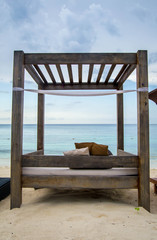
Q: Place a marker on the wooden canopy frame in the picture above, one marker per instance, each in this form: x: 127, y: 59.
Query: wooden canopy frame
x: 32, y: 63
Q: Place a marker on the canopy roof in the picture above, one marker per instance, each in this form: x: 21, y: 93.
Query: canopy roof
x: 41, y: 67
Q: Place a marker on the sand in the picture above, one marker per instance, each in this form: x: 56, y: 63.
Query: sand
x: 78, y: 215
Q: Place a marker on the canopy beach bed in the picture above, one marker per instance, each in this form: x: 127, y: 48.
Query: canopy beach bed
x: 36, y: 170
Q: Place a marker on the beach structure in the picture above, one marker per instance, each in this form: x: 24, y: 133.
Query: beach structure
x: 123, y: 171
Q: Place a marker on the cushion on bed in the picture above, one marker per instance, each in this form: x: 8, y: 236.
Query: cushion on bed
x: 84, y: 145
x: 99, y: 150
x: 81, y: 151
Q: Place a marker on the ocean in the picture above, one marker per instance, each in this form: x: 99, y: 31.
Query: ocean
x: 60, y: 138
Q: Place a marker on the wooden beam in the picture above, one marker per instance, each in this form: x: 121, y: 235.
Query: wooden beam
x: 90, y: 73
x: 121, y: 152
x: 110, y: 73
x: 40, y: 123
x: 100, y: 73
x: 34, y: 75
x: 17, y: 130
x: 79, y: 162
x: 120, y: 122
x: 77, y: 86
x: 60, y: 73
x: 126, y: 74
x: 143, y: 130
x: 50, y: 73
x: 80, y: 73
x: 40, y: 73
x: 82, y: 182
x: 120, y: 73
x: 70, y: 73
x: 80, y: 58
x: 38, y: 152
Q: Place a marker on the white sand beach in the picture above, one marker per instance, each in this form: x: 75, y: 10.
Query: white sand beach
x: 78, y: 215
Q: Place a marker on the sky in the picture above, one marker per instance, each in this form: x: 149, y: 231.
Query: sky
x: 76, y: 26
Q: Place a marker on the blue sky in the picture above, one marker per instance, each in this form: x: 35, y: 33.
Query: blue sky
x: 76, y: 26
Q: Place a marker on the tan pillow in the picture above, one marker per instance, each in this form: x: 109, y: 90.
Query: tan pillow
x: 84, y: 145
x: 99, y: 150
x: 81, y: 151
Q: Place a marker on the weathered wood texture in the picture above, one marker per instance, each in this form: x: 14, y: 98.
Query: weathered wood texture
x: 83, y: 58
x: 40, y: 124
x: 143, y: 130
x: 126, y: 74
x: 34, y: 74
x: 17, y: 130
x: 123, y: 153
x: 154, y: 181
x: 50, y: 73
x: 79, y: 162
x: 77, y: 86
x: 94, y: 182
x: 120, y: 122
x: 38, y: 152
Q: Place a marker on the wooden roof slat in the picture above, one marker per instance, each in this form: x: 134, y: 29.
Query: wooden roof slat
x: 78, y: 86
x: 34, y: 74
x: 40, y: 73
x: 60, y: 73
x: 50, y: 73
x: 80, y: 73
x: 70, y: 73
x: 90, y: 72
x: 100, y: 73
x: 110, y: 73
x: 83, y: 58
x: 126, y: 74
x: 120, y: 73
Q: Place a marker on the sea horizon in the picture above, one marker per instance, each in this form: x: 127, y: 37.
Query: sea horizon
x: 59, y: 138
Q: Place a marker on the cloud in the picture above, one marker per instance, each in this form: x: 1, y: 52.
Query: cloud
x: 140, y: 12
x: 152, y: 58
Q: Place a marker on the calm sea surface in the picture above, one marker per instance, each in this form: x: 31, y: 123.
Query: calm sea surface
x: 60, y: 138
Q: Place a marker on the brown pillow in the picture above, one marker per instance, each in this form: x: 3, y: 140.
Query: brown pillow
x: 84, y: 145
x: 99, y: 150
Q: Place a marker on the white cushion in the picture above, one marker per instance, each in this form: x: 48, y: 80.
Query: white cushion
x: 80, y: 151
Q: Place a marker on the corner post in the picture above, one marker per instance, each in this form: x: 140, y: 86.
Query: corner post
x: 17, y: 130
x: 120, y: 122
x: 40, y: 125
x: 143, y: 130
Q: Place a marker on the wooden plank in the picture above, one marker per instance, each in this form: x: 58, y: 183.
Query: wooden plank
x: 50, y: 73
x: 40, y: 122
x: 123, y: 69
x: 70, y: 73
x: 40, y: 73
x: 121, y: 152
x: 80, y: 73
x: 38, y: 152
x: 120, y: 122
x: 100, y: 73
x: 77, y: 86
x: 90, y: 73
x: 126, y: 74
x: 110, y: 73
x: 79, y: 162
x: 34, y: 75
x: 154, y: 181
x: 82, y: 182
x: 82, y: 58
x: 60, y: 73
x: 143, y: 130
x: 17, y: 130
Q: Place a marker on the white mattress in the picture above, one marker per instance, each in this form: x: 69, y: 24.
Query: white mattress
x: 38, y: 171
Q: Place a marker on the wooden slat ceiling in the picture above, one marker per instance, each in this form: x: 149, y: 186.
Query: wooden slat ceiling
x: 100, y: 71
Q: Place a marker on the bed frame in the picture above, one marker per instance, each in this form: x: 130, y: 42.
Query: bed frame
x: 31, y: 63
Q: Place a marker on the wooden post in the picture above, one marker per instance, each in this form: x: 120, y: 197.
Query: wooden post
x: 143, y: 130
x: 17, y: 130
x: 40, y: 126
x: 120, y: 122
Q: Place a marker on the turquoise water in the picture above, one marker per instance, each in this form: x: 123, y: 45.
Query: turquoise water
x: 60, y: 138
